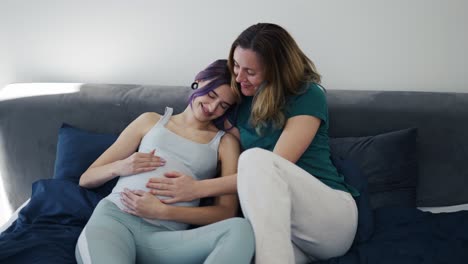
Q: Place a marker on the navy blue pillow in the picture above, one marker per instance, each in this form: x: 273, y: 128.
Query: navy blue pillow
x: 49, y: 225
x: 77, y: 149
x: 353, y: 176
x: 389, y: 162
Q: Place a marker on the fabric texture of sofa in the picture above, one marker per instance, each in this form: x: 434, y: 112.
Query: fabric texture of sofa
x: 409, y: 148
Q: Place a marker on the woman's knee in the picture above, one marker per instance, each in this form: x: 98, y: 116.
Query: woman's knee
x: 254, y: 167
x: 252, y: 162
x: 253, y: 156
x: 241, y: 231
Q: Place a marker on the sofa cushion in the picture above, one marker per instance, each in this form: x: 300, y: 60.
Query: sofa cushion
x: 389, y: 161
x: 354, y: 177
x: 77, y: 149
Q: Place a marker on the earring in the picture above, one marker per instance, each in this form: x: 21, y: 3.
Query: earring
x: 194, y: 85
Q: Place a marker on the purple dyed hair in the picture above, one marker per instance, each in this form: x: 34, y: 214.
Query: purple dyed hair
x: 218, y: 74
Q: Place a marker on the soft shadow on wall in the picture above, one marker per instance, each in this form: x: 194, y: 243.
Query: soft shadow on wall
x: 5, y: 210
x: 20, y: 90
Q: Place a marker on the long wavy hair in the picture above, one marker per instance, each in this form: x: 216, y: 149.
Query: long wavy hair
x: 217, y: 73
x: 287, y: 69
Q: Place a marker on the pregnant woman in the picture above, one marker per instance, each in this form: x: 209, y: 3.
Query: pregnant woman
x: 132, y: 225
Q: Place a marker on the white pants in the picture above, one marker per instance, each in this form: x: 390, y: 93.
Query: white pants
x: 289, y: 209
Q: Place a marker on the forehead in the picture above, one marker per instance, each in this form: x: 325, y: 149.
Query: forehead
x: 247, y: 58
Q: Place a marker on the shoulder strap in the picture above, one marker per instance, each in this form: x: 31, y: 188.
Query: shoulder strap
x: 214, y: 143
x: 167, y: 115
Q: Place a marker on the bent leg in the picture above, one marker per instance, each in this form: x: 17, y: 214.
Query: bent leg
x: 283, y: 203
x: 106, y: 237
x: 228, y: 241
x: 235, y: 244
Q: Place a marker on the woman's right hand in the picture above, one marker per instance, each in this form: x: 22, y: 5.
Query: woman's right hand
x: 139, y: 162
x: 178, y: 186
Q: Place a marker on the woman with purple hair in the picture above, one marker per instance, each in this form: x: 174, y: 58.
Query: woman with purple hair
x: 131, y: 224
x: 299, y: 205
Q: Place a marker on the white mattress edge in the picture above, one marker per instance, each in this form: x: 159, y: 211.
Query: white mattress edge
x: 445, y: 209
x: 13, y: 217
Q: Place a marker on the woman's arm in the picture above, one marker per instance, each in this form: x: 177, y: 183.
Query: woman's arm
x: 120, y: 159
x: 298, y: 132
x: 144, y: 204
x: 225, y: 206
x: 183, y: 188
x: 297, y: 135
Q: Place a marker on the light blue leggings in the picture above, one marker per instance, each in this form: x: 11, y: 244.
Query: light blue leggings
x: 113, y: 236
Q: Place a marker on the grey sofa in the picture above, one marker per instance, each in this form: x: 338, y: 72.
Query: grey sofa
x: 29, y: 127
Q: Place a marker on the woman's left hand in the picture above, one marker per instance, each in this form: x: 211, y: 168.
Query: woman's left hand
x: 143, y: 204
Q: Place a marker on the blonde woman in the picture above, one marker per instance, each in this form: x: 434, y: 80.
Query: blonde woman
x: 298, y: 204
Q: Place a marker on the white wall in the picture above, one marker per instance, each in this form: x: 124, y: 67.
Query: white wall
x: 359, y: 44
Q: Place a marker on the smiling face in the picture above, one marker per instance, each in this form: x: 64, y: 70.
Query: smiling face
x: 248, y: 70
x: 214, y: 104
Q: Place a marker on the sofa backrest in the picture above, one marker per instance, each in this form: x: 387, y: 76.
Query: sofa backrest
x: 29, y: 128
x: 442, y: 123
x: 29, y: 125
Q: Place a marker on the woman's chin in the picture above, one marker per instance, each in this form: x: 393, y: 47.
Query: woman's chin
x: 248, y: 91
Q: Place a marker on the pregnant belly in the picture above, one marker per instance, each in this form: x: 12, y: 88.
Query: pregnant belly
x: 139, y: 181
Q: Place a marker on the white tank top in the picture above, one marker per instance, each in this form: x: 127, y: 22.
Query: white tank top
x: 181, y: 154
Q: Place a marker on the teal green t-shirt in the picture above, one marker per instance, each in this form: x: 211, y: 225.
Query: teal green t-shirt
x: 316, y: 159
